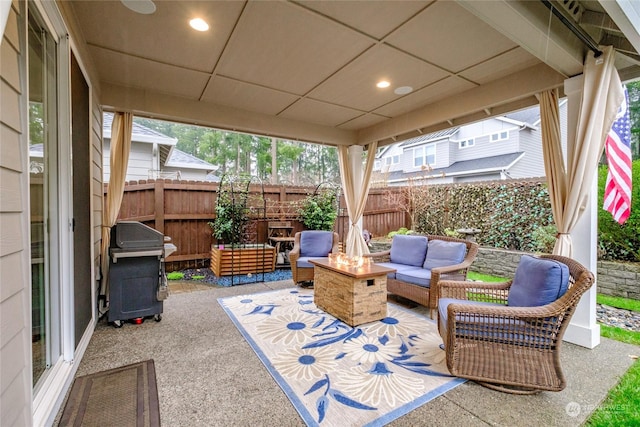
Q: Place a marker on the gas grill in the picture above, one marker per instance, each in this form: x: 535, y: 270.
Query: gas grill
x: 137, y: 283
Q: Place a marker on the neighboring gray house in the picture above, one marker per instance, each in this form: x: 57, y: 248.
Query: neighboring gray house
x: 154, y: 155
x: 507, y: 147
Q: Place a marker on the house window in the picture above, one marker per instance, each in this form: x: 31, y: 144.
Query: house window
x: 424, y: 156
x: 500, y: 136
x: 466, y: 143
x: 392, y: 160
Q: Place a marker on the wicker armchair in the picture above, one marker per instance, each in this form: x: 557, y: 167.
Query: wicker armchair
x: 301, y: 269
x: 506, y: 348
x: 428, y: 296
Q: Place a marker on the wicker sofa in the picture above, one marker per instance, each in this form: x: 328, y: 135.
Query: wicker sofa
x: 508, y: 336
x: 310, y: 244
x: 421, y: 262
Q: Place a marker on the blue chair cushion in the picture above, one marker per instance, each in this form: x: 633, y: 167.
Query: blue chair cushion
x: 443, y: 303
x: 538, y: 281
x: 415, y: 275
x: 505, y: 330
x: 303, y: 262
x: 408, y: 250
x: 316, y: 243
x: 442, y: 254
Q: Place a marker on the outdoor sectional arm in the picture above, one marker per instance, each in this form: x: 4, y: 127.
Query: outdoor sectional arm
x: 427, y: 295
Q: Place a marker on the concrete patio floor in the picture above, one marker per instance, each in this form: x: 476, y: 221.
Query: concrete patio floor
x: 208, y: 375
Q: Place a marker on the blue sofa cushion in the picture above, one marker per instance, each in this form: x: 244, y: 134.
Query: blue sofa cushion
x: 415, y: 275
x: 442, y: 254
x: 398, y: 267
x: 538, y: 281
x: 316, y: 243
x: 303, y: 262
x: 408, y: 250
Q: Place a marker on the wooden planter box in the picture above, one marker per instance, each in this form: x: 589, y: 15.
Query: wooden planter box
x: 243, y: 260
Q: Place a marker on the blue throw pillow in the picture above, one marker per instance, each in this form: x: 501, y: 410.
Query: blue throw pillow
x: 442, y: 254
x: 408, y: 250
x: 538, y: 281
x: 316, y: 243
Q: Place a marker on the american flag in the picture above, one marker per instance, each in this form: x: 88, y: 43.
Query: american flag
x: 617, y: 192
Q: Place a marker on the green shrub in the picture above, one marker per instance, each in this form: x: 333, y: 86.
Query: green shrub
x: 401, y: 230
x: 615, y: 241
x: 175, y: 275
x: 320, y: 210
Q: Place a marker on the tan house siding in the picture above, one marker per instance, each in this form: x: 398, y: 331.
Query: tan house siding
x: 96, y: 183
x: 15, y: 305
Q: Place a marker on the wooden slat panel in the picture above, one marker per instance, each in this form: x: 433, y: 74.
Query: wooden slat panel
x: 188, y: 207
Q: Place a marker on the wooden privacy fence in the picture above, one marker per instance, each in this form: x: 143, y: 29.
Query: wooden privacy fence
x: 182, y: 211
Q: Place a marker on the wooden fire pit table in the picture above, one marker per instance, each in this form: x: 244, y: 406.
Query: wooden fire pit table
x: 355, y: 295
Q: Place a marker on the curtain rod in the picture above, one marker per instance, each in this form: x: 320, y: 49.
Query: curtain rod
x: 574, y: 28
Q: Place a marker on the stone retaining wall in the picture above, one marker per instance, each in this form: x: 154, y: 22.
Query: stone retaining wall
x: 621, y: 279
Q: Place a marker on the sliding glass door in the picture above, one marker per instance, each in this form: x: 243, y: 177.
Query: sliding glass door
x: 43, y: 195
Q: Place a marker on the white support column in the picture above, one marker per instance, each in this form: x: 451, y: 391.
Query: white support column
x: 355, y: 153
x: 583, y: 329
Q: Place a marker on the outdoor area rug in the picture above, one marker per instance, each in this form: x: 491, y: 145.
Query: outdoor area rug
x: 124, y: 396
x: 338, y: 375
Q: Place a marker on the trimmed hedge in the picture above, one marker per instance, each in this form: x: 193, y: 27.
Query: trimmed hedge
x: 517, y: 215
x: 507, y: 212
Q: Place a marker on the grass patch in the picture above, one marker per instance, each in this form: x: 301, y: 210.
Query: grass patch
x: 620, y: 408
x: 472, y: 275
x: 197, y: 277
x: 619, y: 334
x: 175, y: 275
x: 618, y: 302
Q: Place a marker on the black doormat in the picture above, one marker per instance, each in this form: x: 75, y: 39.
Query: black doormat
x: 124, y: 396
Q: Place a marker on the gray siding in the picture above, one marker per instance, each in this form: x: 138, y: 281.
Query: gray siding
x: 141, y: 160
x: 532, y: 164
x: 483, y: 146
x: 15, y: 304
x: 96, y: 184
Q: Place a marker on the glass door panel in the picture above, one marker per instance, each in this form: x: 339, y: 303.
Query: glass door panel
x: 42, y: 191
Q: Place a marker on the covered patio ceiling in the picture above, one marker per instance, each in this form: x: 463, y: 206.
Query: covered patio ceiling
x: 307, y: 70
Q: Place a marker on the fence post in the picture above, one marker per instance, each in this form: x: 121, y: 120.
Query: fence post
x: 158, y: 192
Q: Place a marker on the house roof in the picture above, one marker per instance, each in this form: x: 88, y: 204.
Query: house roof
x: 180, y: 159
x: 139, y: 133
x: 430, y: 137
x: 465, y: 167
x: 307, y: 71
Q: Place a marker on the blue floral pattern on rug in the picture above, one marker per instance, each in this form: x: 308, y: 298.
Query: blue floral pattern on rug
x: 338, y: 375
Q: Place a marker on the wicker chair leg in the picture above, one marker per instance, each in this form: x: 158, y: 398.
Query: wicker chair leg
x: 510, y: 389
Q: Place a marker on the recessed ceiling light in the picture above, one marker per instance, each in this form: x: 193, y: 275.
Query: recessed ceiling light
x: 145, y: 7
x: 382, y: 84
x: 198, y: 24
x: 403, y: 90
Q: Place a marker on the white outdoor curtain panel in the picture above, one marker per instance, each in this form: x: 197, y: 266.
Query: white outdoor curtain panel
x: 355, y: 198
x: 569, y: 189
x: 120, y: 148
